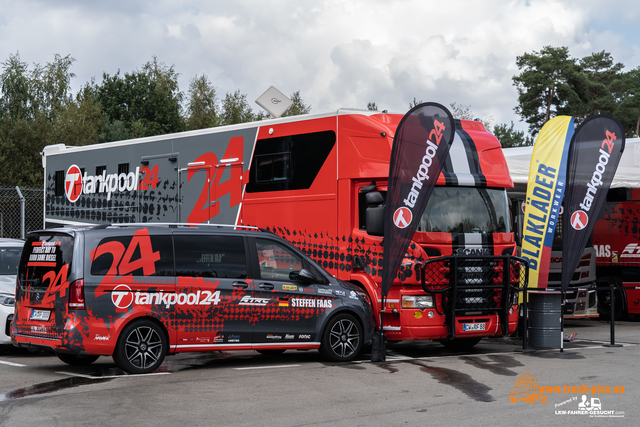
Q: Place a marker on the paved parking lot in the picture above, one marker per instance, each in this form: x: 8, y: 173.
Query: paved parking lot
x: 420, y: 383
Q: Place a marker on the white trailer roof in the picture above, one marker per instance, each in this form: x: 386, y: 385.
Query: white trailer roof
x: 627, y: 175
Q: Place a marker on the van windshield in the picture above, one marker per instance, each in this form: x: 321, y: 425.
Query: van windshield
x: 44, y: 253
x: 466, y: 210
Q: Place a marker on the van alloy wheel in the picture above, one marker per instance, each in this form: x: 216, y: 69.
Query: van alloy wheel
x: 342, y: 339
x: 141, y: 348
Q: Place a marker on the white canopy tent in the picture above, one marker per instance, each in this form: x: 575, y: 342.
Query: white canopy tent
x: 627, y: 175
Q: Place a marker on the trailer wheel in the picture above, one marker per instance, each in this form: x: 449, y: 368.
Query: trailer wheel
x: 342, y: 339
x: 141, y: 347
x: 77, y: 359
x: 460, y: 344
x: 604, y: 298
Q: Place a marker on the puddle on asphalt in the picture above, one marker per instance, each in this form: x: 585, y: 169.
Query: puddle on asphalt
x: 463, y: 382
x: 498, y: 364
x: 49, y: 387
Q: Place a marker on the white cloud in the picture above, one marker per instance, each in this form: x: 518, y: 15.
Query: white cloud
x: 336, y: 52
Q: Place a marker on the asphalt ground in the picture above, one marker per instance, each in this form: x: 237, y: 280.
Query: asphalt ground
x: 420, y: 383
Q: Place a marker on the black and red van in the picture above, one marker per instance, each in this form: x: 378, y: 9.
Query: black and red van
x: 139, y: 292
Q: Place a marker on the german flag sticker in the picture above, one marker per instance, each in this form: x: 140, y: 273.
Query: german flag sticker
x: 283, y: 303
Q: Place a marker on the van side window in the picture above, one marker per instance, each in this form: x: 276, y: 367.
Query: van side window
x: 121, y: 256
x: 277, y: 261
x: 210, y: 256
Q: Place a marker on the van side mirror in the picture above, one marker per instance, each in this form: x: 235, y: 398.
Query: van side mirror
x: 306, y: 276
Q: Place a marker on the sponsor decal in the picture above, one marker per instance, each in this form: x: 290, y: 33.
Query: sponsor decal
x: 353, y: 295
x: 234, y: 338
x: 340, y: 293
x: 75, y: 184
x: 204, y: 339
x: 43, y: 254
x: 632, y: 250
x: 324, y: 291
x: 579, y: 220
x: 304, y: 337
x: 249, y: 300
x: 122, y: 297
x: 402, y: 217
x: 603, y: 251
x: 311, y: 303
x: 99, y: 337
x: 274, y: 337
x: 289, y: 337
x: 289, y: 288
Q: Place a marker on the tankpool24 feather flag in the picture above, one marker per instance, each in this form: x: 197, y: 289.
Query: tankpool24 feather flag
x: 594, y: 155
x: 420, y: 148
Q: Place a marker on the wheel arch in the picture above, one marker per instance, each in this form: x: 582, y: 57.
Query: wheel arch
x: 145, y: 317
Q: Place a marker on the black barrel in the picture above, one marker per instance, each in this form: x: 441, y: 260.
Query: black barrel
x: 545, y: 324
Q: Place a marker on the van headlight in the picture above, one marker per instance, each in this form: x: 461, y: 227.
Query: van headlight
x: 7, y: 300
x: 417, y: 301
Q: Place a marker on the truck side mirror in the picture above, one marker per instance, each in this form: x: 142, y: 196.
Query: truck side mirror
x: 374, y: 213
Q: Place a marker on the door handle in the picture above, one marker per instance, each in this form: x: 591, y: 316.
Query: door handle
x: 267, y: 286
x: 240, y: 285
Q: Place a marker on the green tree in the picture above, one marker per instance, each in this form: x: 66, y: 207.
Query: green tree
x: 597, y: 72
x: 509, y: 137
x: 297, y: 107
x: 236, y: 109
x: 80, y: 121
x: 201, y: 107
x: 626, y: 93
x: 548, y: 83
x: 36, y: 109
x: 147, y: 101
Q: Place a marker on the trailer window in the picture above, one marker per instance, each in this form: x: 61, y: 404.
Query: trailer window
x: 59, y: 183
x: 290, y: 162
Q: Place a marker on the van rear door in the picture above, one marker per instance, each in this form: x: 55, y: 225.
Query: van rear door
x: 44, y: 275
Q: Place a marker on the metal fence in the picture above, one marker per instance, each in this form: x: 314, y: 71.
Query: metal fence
x: 21, y: 211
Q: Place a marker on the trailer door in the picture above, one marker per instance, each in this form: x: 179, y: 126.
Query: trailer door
x: 158, y: 188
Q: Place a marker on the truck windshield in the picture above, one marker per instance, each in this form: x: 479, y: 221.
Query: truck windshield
x: 466, y: 210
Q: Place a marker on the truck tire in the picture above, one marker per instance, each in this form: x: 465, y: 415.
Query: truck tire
x: 141, y: 347
x: 604, y: 298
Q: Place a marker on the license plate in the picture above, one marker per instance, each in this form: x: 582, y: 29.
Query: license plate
x: 474, y: 326
x: 40, y: 315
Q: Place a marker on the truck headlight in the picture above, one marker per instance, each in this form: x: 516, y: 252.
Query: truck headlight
x: 417, y: 301
x: 7, y: 300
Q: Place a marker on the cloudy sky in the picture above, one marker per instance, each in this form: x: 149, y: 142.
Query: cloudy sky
x: 337, y: 53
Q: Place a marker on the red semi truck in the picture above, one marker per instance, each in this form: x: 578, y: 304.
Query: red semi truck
x: 319, y: 181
